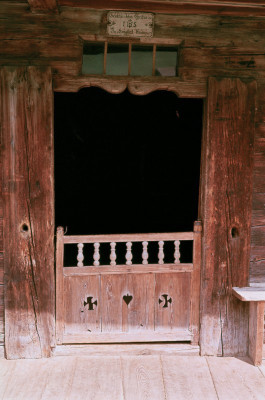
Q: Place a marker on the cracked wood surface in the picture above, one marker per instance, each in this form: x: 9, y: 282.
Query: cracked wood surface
x: 26, y: 115
x: 226, y: 204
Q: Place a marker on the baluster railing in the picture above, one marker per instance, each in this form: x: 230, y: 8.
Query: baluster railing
x: 176, y: 253
x: 161, y: 254
x: 80, y: 255
x: 128, y: 253
x: 96, y: 255
x: 113, y: 253
x: 145, y: 253
x: 160, y: 238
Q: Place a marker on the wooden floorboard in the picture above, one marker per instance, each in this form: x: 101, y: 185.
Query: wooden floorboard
x: 97, y: 379
x: 187, y: 378
x: 127, y: 377
x: 236, y: 379
x: 142, y: 378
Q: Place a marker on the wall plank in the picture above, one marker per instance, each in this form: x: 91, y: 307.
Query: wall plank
x: 226, y: 214
x: 257, y: 255
x: 27, y: 128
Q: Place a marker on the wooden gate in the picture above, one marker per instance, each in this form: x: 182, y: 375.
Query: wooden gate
x: 130, y: 302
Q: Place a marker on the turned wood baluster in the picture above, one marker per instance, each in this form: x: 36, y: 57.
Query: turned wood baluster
x: 80, y: 255
x: 177, y: 253
x: 145, y: 253
x: 128, y: 253
x: 161, y: 254
x: 96, y: 256
x: 113, y: 254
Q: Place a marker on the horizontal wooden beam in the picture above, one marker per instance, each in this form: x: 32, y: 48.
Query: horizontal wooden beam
x: 43, y: 5
x: 222, y: 7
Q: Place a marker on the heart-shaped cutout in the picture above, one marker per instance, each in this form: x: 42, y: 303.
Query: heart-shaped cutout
x: 127, y: 298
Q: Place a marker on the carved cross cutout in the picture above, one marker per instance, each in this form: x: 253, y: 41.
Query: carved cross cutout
x: 90, y: 303
x: 166, y: 300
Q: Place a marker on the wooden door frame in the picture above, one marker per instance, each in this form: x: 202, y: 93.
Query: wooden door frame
x: 143, y: 86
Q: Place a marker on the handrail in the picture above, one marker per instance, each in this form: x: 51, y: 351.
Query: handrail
x: 125, y: 237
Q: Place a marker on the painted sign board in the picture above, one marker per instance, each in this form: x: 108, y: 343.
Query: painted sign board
x: 130, y: 24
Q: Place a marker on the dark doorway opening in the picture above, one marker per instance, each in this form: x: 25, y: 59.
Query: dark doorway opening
x: 126, y: 163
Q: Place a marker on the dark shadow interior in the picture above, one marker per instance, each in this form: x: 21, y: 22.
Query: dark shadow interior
x: 126, y: 163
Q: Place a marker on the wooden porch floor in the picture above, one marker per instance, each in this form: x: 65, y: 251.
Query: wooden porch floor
x: 131, y: 378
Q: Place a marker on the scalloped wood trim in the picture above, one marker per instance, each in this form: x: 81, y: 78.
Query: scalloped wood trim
x: 136, y: 86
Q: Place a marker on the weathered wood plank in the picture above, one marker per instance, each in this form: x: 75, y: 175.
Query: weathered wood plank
x: 126, y: 269
x: 187, y: 378
x: 169, y: 7
x: 177, y: 335
x: 139, y: 349
x: 249, y: 293
x: 142, y: 378
x: 80, y: 317
x: 236, y: 379
x: 137, y: 237
x: 43, y: 5
x: 28, y: 210
x: 97, y: 380
x: 226, y: 198
x: 256, y: 330
x: 257, y: 271
x: 191, y: 89
x: 221, y: 58
x: 172, y: 301
x: 1, y: 268
x: 2, y: 321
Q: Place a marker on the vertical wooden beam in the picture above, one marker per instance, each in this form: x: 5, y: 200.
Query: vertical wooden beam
x: 26, y: 114
x: 256, y: 331
x: 59, y: 285
x: 226, y: 214
x: 195, y: 282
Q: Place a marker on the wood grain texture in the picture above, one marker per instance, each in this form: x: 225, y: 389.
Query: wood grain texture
x: 249, y: 293
x: 78, y: 317
x: 174, y: 314
x: 257, y: 254
x: 196, y: 282
x: 236, y: 379
x: 138, y: 86
x: 256, y: 331
x: 170, y: 7
x: 43, y: 5
x: 59, y: 317
x: 97, y: 379
x: 177, y: 335
x: 26, y: 115
x: 2, y: 318
x: 143, y: 378
x: 125, y: 269
x: 185, y: 382
x: 139, y: 349
x: 226, y: 213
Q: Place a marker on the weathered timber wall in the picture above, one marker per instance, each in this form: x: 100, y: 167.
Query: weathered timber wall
x: 1, y: 258
x: 257, y: 264
x: 226, y: 213
x: 27, y: 131
x: 211, y: 45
